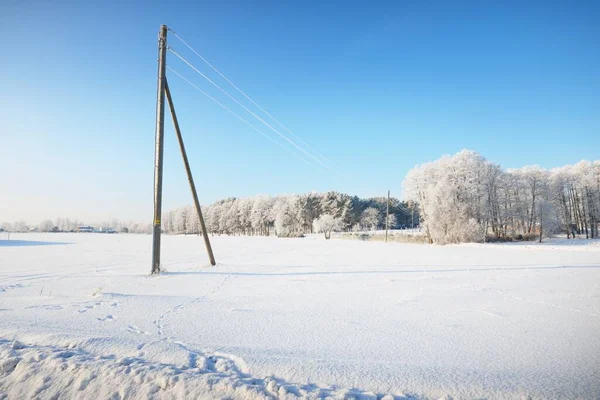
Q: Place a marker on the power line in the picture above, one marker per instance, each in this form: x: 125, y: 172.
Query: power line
x: 250, y: 99
x: 401, y: 209
x: 240, y: 118
x: 247, y: 109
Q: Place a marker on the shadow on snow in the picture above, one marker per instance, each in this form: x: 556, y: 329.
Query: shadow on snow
x: 24, y: 243
x: 375, y: 272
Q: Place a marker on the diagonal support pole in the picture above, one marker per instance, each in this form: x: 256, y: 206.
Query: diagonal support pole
x: 189, y: 174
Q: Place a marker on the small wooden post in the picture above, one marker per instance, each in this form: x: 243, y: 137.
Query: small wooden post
x: 541, y: 220
x: 387, y: 217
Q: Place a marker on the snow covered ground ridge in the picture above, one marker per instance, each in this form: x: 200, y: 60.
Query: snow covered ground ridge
x: 53, y: 372
x: 474, y: 321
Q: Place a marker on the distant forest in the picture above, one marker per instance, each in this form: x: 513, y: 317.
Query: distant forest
x: 459, y: 198
x: 287, y: 215
x: 291, y: 215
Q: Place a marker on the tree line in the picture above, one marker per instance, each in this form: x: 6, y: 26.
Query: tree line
x: 285, y: 215
x: 290, y: 215
x: 72, y: 225
x: 466, y: 198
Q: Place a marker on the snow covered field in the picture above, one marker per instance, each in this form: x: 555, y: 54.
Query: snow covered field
x: 311, y: 318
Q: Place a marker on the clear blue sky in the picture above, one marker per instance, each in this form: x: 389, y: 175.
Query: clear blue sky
x: 377, y: 87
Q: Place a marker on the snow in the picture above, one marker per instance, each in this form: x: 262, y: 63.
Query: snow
x: 291, y: 318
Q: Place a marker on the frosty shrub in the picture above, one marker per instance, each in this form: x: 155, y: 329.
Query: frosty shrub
x: 370, y: 218
x: 326, y: 224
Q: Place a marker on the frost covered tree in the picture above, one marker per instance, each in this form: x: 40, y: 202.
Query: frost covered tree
x: 391, y: 221
x: 260, y: 215
x: 464, y: 197
x: 46, y: 226
x: 455, y: 196
x: 181, y: 220
x: 20, y: 226
x: 244, y: 215
x: 370, y: 218
x: 287, y: 223
x: 327, y: 223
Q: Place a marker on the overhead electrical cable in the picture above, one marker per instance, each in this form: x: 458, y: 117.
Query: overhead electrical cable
x: 248, y: 110
x: 250, y: 99
x: 240, y: 118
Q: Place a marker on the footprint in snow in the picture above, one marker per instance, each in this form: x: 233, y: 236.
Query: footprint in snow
x: 47, y: 307
x: 135, y: 329
x: 4, y: 288
x: 107, y: 318
x: 53, y: 307
x: 89, y: 307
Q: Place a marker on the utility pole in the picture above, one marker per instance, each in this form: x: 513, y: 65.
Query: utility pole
x: 158, y: 150
x: 387, y: 216
x: 189, y: 175
x: 541, y: 221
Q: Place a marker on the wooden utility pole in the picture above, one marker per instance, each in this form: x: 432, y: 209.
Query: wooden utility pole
x: 189, y: 174
x: 158, y: 150
x: 541, y: 221
x: 387, y: 216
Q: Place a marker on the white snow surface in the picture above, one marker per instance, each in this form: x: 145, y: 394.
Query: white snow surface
x: 297, y: 318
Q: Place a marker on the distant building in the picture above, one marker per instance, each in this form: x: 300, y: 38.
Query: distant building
x: 85, y: 229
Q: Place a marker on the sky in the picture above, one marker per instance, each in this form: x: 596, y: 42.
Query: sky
x: 375, y: 87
